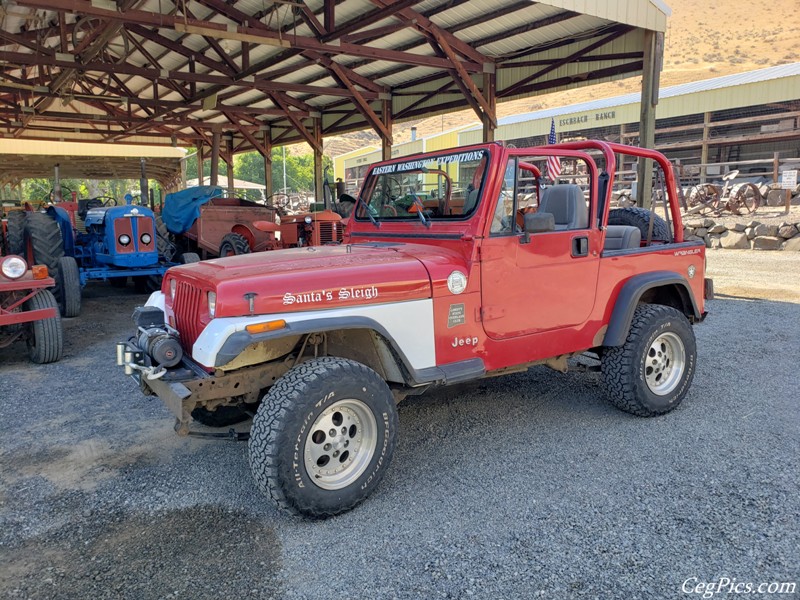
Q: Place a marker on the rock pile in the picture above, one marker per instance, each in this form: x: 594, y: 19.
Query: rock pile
x: 752, y: 236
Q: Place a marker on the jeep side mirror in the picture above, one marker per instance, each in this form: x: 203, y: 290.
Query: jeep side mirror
x: 540, y: 222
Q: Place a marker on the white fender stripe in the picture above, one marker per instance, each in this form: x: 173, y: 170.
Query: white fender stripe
x: 409, y: 324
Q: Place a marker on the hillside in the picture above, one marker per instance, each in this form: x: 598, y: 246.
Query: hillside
x: 703, y: 40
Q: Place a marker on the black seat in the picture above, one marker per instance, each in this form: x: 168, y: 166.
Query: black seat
x: 567, y: 205
x: 622, y: 237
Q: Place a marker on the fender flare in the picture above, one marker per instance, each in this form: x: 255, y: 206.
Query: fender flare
x: 466, y: 370
x: 629, y: 297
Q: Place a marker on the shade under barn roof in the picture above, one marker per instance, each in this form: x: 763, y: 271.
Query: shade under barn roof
x: 275, y: 72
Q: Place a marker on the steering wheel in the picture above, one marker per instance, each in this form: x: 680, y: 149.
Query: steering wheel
x: 391, y: 181
x: 107, y: 201
x: 65, y: 192
x: 281, y: 200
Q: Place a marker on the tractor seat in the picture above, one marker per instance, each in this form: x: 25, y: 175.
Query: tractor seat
x: 567, y: 205
x: 622, y: 237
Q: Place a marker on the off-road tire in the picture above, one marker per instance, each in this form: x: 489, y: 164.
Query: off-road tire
x: 45, y: 337
x: 223, y: 416
x: 635, y: 216
x: 287, y: 418
x: 15, y: 233
x: 234, y: 244
x: 69, y: 280
x: 48, y: 247
x: 625, y: 368
x: 188, y: 258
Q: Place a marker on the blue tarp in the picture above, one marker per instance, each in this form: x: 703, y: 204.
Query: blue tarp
x: 182, y: 209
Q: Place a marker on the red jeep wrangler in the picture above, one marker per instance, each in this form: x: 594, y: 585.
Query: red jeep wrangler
x: 456, y: 265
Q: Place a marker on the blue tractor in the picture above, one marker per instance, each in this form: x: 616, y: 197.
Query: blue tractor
x: 97, y: 240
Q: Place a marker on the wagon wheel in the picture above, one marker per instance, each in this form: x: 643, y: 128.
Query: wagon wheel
x: 744, y: 198
x: 703, y: 198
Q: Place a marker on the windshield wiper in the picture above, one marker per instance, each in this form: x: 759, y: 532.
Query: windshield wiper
x: 421, y: 208
x: 368, y: 210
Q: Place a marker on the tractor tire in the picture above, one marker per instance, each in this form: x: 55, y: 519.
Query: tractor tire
x: 48, y: 247
x: 166, y: 248
x: 223, y: 416
x: 69, y: 280
x: 15, y: 233
x: 635, y: 216
x: 147, y: 284
x: 188, y: 258
x: 45, y: 338
x: 651, y: 372
x: 326, y: 411
x: 234, y: 243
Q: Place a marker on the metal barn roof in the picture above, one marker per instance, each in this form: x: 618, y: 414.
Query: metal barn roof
x: 276, y: 72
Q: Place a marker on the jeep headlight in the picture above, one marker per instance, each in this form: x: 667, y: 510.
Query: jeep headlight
x: 173, y: 283
x: 14, y: 267
x: 124, y: 239
x: 212, y: 303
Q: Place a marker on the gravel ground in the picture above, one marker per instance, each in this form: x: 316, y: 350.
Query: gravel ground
x: 528, y: 485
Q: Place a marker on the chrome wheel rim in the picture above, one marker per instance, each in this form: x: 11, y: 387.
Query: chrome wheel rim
x: 664, y: 363
x: 340, y: 444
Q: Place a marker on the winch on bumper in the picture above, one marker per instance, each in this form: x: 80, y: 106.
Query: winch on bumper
x: 154, y: 359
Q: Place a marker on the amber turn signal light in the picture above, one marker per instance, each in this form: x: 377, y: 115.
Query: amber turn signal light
x: 264, y: 327
x: 39, y: 272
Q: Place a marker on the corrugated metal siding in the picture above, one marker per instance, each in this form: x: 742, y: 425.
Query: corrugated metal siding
x: 754, y: 88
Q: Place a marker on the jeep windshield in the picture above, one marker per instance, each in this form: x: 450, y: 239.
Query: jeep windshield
x: 444, y: 186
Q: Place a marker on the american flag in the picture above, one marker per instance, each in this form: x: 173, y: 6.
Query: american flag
x: 553, y: 162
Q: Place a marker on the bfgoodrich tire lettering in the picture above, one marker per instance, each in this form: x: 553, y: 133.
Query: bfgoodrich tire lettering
x: 295, y: 409
x: 651, y: 372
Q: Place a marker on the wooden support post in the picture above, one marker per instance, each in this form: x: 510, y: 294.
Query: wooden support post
x: 268, y: 189
x: 489, y: 92
x: 319, y: 194
x: 651, y: 70
x: 215, y: 139
x: 386, y: 117
x: 775, y: 166
x: 229, y: 150
x: 201, y: 180
x: 704, y: 146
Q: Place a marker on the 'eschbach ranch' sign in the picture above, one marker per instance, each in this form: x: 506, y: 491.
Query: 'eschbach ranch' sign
x: 598, y: 116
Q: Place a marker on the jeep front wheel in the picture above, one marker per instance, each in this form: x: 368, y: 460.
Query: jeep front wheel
x: 323, y: 437
x: 651, y: 372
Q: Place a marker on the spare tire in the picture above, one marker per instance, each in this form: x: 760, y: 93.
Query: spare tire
x: 634, y: 216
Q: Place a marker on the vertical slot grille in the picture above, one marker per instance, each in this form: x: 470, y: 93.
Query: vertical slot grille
x: 187, y: 307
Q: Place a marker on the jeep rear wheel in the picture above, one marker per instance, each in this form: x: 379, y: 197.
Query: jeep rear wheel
x: 651, y: 372
x: 323, y: 437
x: 45, y: 338
x: 234, y: 243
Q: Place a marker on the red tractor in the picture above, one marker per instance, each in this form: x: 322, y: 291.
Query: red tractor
x: 28, y: 310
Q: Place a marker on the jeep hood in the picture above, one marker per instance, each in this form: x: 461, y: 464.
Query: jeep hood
x: 313, y: 278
